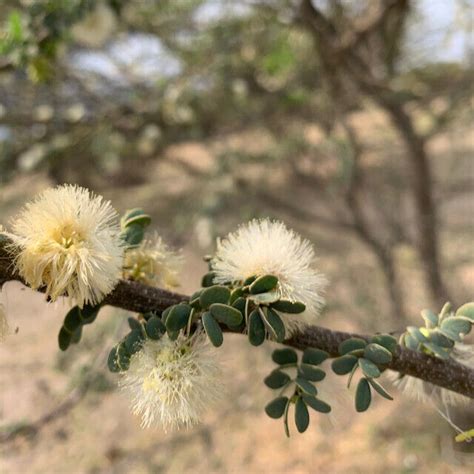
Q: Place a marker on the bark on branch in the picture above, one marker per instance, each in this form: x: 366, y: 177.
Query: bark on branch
x: 136, y: 297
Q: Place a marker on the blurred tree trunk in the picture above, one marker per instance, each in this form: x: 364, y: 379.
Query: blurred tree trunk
x: 345, y: 63
x: 422, y: 185
x: 380, y: 246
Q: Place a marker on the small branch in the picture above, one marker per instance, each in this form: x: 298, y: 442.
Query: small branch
x: 136, y: 297
x: 32, y: 429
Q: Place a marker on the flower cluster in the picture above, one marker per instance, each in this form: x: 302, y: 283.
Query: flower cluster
x: 153, y: 264
x: 68, y: 243
x: 173, y: 382
x: 263, y: 247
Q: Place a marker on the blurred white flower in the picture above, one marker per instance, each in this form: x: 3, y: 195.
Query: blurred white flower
x: 67, y: 241
x: 263, y: 247
x: 173, y: 382
x: 153, y: 263
x: 426, y: 392
x: 43, y: 113
x: 76, y: 112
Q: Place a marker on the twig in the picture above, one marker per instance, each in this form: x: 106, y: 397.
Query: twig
x: 133, y: 296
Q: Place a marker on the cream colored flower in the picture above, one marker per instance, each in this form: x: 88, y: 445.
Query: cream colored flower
x: 173, y: 382
x: 268, y: 247
x: 68, y: 242
x: 153, y: 263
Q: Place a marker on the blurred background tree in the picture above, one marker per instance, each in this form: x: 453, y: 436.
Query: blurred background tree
x: 91, y: 89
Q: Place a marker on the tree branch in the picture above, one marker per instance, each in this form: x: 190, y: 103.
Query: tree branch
x: 133, y: 296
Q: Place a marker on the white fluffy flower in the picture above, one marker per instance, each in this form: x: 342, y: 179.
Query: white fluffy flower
x: 263, y: 247
x: 153, y: 263
x: 426, y: 392
x: 68, y: 242
x: 173, y: 382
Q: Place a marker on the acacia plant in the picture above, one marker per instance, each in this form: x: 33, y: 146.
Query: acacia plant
x: 261, y: 283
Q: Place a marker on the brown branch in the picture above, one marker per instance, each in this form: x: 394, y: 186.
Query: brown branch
x: 136, y: 297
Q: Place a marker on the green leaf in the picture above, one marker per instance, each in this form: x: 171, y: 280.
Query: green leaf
x: 123, y: 357
x: 256, y: 329
x: 76, y: 337
x: 213, y: 330
x: 133, y: 235
x: 89, y: 313
x: 416, y: 334
x: 214, y: 294
x: 265, y: 298
x: 314, y: 356
x: 436, y: 350
x: 178, y: 317
x: 234, y: 294
x: 64, y: 339
x: 284, y: 356
x: 466, y: 311
x: 363, y: 396
x: 274, y: 324
x: 277, y: 379
x: 445, y: 312
x: 387, y: 341
x: 351, y: 344
x: 441, y: 340
x: 249, y: 280
x: 301, y: 415
x: 165, y: 313
x: 135, y: 216
x: 155, y: 328
x: 290, y: 307
x: 263, y: 284
x: 430, y: 318
x: 357, y: 353
x: 133, y: 341
x: 239, y: 304
x: 411, y: 342
x: 276, y: 408
x: 208, y: 279
x: 377, y: 354
x: 369, y: 368
x: 455, y: 328
x: 343, y: 365
x: 225, y: 314
x: 380, y: 390
x: 317, y: 404
x: 306, y: 386
x: 134, y: 323
x: 314, y: 374
x: 72, y: 321
x: 194, y: 301
x: 112, y: 360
